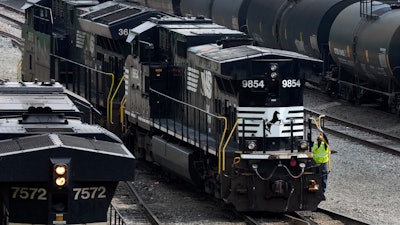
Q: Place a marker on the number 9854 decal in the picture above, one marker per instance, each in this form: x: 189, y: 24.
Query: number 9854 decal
x: 253, y: 84
x: 291, y: 83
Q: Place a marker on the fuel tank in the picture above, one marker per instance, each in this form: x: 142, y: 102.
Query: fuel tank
x: 372, y: 50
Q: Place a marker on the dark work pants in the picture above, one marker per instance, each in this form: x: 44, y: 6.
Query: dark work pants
x: 324, y: 176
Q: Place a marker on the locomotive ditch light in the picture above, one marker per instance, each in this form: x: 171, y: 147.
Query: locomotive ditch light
x: 251, y: 145
x: 303, y: 146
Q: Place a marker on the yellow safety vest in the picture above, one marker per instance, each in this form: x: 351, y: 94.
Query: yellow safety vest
x: 321, y: 153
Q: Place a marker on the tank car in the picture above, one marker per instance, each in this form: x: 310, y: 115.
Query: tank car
x: 205, y: 104
x: 55, y: 169
x: 371, y: 51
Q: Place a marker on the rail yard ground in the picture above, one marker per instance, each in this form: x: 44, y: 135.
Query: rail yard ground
x: 9, y: 59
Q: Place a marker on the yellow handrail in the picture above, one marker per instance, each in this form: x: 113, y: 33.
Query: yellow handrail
x: 227, y: 141
x: 318, y: 125
x: 112, y: 99
x: 222, y: 140
x: 121, y: 113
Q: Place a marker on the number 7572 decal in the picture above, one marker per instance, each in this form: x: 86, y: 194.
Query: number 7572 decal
x: 89, y: 193
x: 33, y: 193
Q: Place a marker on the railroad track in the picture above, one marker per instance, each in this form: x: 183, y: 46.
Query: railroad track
x: 129, y: 208
x: 319, y: 217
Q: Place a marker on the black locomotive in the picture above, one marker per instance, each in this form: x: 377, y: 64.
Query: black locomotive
x: 358, y: 40
x: 223, y: 115
x: 198, y: 98
x: 55, y: 169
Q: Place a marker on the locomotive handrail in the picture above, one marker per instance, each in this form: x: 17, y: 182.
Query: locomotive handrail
x: 220, y: 144
x: 112, y: 98
x: 220, y: 152
x: 121, y: 113
x: 184, y: 103
x: 227, y: 141
x: 109, y: 95
x: 319, y: 127
x: 95, y: 70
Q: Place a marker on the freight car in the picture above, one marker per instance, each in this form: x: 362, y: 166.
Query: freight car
x: 360, y: 62
x: 55, y: 169
x: 199, y: 99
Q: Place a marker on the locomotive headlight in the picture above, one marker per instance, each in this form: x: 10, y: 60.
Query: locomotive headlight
x: 60, y: 170
x: 273, y: 67
x: 251, y: 145
x: 274, y: 75
x: 60, y: 174
x: 60, y: 181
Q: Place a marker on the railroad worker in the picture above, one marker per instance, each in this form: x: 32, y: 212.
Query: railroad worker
x: 320, y: 152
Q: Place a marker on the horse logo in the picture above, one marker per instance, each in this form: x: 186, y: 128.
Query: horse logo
x: 274, y: 119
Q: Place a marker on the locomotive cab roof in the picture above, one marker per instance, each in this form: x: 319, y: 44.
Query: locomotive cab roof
x: 186, y: 26
x: 223, y: 58
x: 108, y: 18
